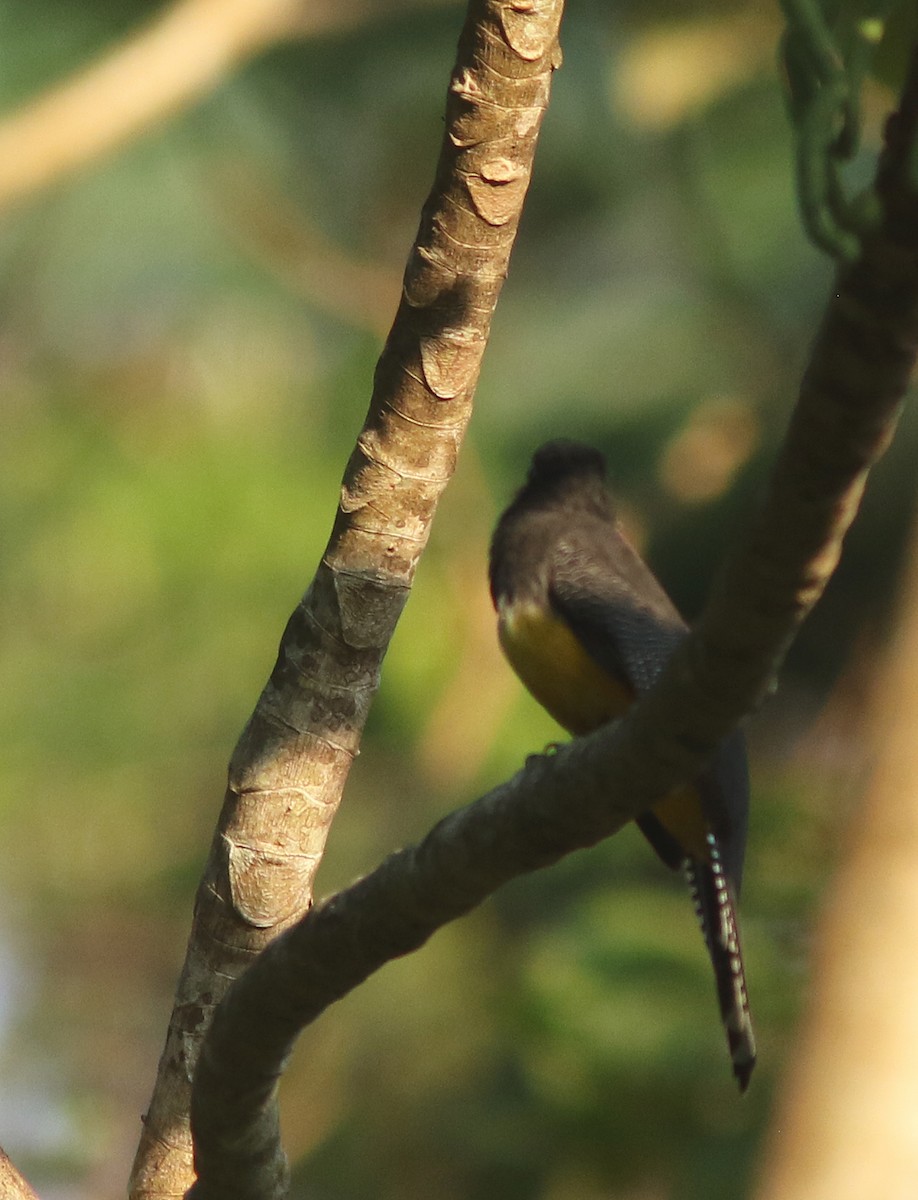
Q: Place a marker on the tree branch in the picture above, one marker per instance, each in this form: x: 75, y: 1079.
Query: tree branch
x: 153, y: 74
x: 290, y: 765
x: 12, y: 1185
x: 845, y: 1124
x: 845, y: 417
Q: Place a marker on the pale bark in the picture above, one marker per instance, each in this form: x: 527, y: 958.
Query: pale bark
x: 288, y: 771
x: 12, y: 1185
x: 846, y: 1121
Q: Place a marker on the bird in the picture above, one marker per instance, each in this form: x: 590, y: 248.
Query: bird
x: 588, y: 629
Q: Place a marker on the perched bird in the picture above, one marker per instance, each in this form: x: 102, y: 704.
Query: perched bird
x: 588, y: 628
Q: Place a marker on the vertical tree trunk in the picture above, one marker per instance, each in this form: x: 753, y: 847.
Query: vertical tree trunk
x: 846, y: 1125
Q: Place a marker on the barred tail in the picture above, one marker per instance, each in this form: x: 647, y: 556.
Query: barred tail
x: 716, y: 908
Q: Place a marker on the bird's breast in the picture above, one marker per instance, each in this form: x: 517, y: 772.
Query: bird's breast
x: 556, y: 669
x: 581, y: 696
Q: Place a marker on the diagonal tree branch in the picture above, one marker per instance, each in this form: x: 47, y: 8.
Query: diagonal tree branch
x: 165, y: 66
x: 288, y: 770
x: 12, y: 1185
x: 845, y: 417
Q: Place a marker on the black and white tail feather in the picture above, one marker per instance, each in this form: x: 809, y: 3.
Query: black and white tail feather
x: 715, y: 906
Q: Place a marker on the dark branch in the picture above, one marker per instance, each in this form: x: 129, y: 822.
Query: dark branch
x: 845, y: 418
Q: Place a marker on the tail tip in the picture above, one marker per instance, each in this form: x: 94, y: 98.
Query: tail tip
x: 742, y: 1069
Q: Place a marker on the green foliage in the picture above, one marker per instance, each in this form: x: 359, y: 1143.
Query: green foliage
x: 826, y: 52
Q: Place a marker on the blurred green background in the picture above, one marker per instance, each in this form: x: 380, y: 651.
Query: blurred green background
x: 189, y: 327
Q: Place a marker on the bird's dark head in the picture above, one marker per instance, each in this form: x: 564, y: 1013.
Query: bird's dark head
x: 566, y: 475
x: 563, y: 461
x: 565, y: 483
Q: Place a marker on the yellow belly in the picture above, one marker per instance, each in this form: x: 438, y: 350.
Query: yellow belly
x: 581, y: 697
x: 557, y: 670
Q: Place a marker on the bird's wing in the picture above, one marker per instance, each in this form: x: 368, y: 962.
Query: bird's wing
x: 615, y: 606
x: 628, y: 626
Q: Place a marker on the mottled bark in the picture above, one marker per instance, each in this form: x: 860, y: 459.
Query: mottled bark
x: 12, y: 1185
x: 290, y: 765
